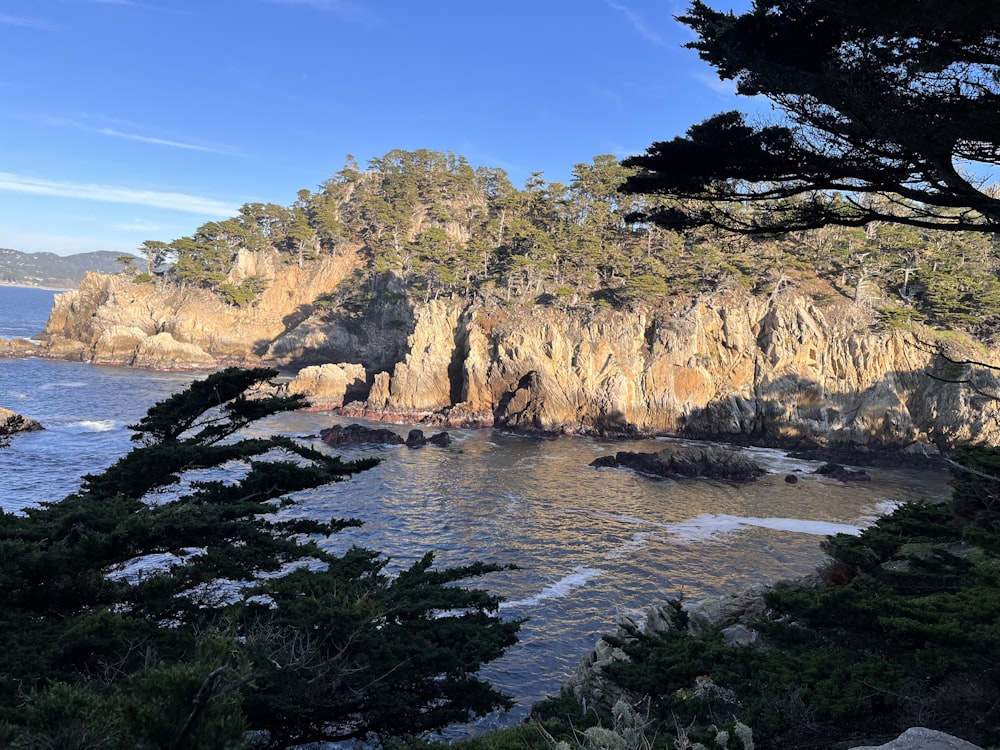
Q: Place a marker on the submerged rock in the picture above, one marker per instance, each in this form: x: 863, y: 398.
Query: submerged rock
x: 356, y: 434
x: 688, y: 461
x: 836, y: 471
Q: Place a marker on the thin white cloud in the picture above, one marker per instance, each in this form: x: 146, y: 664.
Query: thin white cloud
x: 140, y: 226
x: 638, y: 24
x: 156, y: 141
x: 126, y: 3
x: 37, y: 24
x: 111, y: 194
x: 608, y: 95
x: 346, y: 9
x: 116, y: 133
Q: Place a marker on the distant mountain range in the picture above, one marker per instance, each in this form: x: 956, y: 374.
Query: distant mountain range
x: 51, y: 270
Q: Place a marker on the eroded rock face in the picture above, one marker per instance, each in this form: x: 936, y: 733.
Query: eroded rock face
x: 778, y: 369
x: 775, y: 370
x: 329, y: 386
x: 112, y: 320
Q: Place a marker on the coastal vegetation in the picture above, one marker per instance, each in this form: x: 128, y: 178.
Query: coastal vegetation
x: 884, y: 116
x: 177, y: 600
x: 855, y: 194
x: 428, y: 224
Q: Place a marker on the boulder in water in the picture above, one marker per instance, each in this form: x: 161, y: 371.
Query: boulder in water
x: 11, y: 422
x: 688, y: 461
x: 356, y: 434
x: 417, y: 439
x: 836, y: 471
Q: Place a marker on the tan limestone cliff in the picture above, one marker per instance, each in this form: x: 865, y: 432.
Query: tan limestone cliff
x: 779, y: 368
x: 112, y: 320
x: 732, y: 364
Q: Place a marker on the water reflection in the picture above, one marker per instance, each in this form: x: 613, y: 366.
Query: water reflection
x: 591, y: 544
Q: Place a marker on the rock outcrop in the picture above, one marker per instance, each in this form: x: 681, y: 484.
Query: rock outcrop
x: 774, y: 370
x: 11, y: 422
x: 687, y: 462
x: 112, y: 320
x: 731, y: 613
x: 356, y: 434
x: 921, y: 738
x: 18, y: 348
x: 779, y: 369
x: 329, y: 386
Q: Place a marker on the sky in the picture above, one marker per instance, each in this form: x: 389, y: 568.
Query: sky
x: 130, y: 120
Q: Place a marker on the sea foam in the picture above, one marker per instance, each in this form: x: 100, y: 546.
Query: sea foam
x: 563, y: 587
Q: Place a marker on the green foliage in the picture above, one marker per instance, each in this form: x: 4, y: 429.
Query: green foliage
x: 427, y: 225
x: 905, y: 630
x: 246, y: 623
x: 128, y: 264
x: 244, y: 293
x: 872, y: 104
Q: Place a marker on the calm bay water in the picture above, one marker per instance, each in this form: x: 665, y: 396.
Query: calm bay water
x: 592, y: 545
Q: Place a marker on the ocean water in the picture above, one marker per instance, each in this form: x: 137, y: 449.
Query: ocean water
x: 19, y: 311
x: 592, y: 545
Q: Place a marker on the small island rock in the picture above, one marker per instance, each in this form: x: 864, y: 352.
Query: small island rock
x: 688, y: 461
x: 836, y: 471
x: 356, y: 434
x: 19, y: 423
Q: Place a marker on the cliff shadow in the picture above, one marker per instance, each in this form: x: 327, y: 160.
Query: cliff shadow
x: 360, y: 321
x: 907, y: 416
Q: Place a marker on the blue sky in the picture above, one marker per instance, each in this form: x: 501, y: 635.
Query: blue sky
x: 128, y: 120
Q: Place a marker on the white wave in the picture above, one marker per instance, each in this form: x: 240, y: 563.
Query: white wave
x: 561, y: 588
x: 133, y: 570
x: 776, y: 461
x: 883, y: 508
x: 95, y: 425
x: 63, y: 384
x: 633, y: 520
x: 636, y: 543
x: 710, y: 525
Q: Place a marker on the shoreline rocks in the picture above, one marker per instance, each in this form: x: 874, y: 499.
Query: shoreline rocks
x: 836, y: 471
x: 778, y: 370
x: 12, y: 423
x: 356, y: 434
x: 687, y: 462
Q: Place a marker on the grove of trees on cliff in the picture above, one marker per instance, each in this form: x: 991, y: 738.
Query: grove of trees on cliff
x: 168, y: 604
x: 428, y: 224
x: 885, y: 104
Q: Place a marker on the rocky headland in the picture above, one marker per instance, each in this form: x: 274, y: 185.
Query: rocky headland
x: 797, y: 369
x: 11, y: 423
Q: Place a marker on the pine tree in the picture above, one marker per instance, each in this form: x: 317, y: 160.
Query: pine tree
x: 178, y: 600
